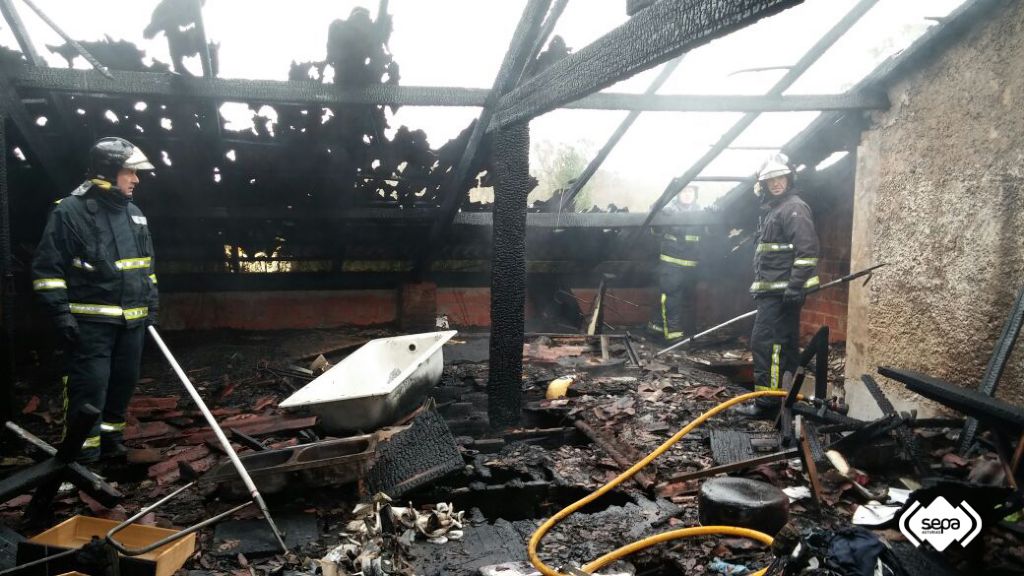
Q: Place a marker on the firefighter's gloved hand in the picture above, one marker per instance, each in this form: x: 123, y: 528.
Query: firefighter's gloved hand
x: 153, y: 319
x: 67, y: 328
x: 793, y: 297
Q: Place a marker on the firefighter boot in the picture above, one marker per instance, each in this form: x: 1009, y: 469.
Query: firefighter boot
x: 112, y: 446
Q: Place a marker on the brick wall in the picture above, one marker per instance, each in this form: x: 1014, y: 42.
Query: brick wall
x: 834, y: 223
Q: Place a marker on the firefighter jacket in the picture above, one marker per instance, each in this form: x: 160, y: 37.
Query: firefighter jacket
x: 680, y: 246
x: 95, y: 259
x: 786, y: 254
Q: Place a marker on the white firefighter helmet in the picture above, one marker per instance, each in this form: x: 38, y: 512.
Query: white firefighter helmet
x: 775, y: 165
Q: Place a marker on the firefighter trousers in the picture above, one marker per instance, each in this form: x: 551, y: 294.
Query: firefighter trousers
x: 103, y: 368
x: 674, y: 312
x: 774, y: 343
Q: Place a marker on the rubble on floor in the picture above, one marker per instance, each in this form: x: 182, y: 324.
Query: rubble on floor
x: 474, y: 504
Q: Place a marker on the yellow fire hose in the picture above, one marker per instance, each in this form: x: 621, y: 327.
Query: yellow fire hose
x: 657, y: 538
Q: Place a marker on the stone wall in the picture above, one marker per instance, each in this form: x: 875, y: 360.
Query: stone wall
x: 939, y: 195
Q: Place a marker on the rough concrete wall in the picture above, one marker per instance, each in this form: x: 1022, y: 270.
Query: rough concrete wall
x: 940, y: 197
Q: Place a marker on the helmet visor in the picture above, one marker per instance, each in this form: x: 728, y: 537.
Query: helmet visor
x: 138, y: 161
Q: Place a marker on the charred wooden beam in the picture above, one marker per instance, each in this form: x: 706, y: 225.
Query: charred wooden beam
x: 616, y: 136
x: 14, y: 20
x: 655, y: 35
x: 508, y: 276
x: 830, y: 132
x: 83, y: 478
x: 795, y: 72
x: 423, y: 216
x: 7, y: 300
x: 171, y: 86
x: 71, y: 41
x: 515, y: 61
x: 10, y: 13
x: 542, y: 37
x: 641, y: 478
x: 39, y: 147
x: 731, y: 102
x: 205, y: 58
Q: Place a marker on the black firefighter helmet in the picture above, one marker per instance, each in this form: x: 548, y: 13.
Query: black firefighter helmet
x: 109, y: 155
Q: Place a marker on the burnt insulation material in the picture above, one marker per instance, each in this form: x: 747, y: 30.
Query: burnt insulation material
x: 508, y: 275
x: 421, y: 454
x: 743, y: 502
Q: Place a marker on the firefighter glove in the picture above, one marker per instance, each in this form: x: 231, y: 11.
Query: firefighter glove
x: 67, y: 328
x: 793, y: 297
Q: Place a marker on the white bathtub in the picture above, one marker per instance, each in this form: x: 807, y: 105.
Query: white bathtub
x: 380, y: 382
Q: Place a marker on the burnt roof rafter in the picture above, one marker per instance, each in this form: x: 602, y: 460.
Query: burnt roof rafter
x: 795, y: 72
x: 144, y: 85
x: 668, y: 28
x: 514, y: 63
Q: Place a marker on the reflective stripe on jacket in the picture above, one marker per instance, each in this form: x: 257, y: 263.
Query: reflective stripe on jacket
x: 786, y: 254
x: 95, y: 259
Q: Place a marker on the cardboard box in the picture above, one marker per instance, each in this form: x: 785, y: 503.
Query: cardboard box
x: 78, y: 531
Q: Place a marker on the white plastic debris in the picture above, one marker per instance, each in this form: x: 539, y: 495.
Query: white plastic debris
x: 899, y: 495
x: 366, y: 549
x: 874, y: 514
x: 727, y: 569
x: 797, y: 493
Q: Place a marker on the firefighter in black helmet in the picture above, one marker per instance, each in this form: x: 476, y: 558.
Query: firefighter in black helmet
x: 785, y: 265
x: 93, y: 272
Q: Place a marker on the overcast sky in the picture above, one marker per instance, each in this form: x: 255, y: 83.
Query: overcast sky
x: 462, y: 42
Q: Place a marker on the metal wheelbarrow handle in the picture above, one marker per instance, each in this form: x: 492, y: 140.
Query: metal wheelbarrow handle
x: 173, y: 537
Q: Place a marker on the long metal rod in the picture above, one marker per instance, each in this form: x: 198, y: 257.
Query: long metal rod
x: 220, y: 434
x: 798, y: 69
x: 173, y: 537
x: 71, y: 41
x: 836, y: 282
x: 620, y: 131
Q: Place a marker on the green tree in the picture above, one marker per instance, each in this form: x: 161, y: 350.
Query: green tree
x: 554, y: 165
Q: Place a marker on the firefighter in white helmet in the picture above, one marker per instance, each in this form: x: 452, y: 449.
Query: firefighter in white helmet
x: 785, y: 265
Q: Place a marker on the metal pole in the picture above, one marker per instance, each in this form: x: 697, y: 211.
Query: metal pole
x: 220, y: 435
x: 836, y: 282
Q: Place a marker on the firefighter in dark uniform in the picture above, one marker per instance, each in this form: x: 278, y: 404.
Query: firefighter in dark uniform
x: 785, y: 265
x: 674, y: 314
x: 93, y: 272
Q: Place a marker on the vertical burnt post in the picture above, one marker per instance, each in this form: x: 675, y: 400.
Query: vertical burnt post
x: 6, y: 286
x: 511, y: 161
